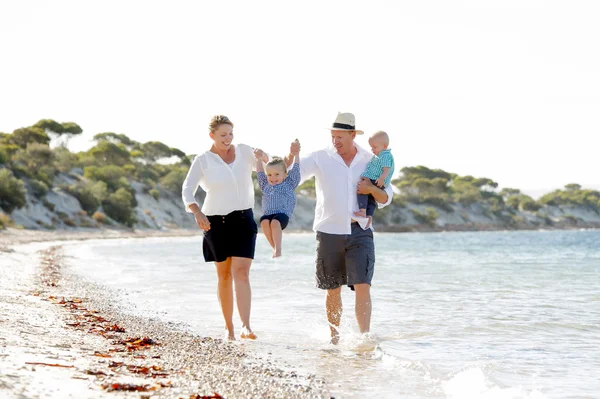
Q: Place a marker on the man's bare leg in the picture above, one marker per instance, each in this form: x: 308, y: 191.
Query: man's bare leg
x: 277, y: 233
x: 266, y: 228
x: 363, y: 307
x: 333, y: 305
x: 225, y: 294
x: 240, y: 269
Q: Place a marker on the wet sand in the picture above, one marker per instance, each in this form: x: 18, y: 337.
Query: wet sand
x: 61, y: 337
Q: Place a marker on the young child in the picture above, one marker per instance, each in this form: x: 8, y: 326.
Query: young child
x: 379, y: 170
x: 279, y: 197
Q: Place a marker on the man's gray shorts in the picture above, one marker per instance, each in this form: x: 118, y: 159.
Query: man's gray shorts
x: 345, y: 259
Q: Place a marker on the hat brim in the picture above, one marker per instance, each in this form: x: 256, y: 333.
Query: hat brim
x: 345, y: 130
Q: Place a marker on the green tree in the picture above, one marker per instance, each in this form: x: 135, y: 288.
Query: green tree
x: 29, y: 135
x: 110, y: 153
x: 114, y: 138
x: 155, y: 150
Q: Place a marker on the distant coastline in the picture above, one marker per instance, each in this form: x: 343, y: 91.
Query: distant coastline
x: 123, y: 185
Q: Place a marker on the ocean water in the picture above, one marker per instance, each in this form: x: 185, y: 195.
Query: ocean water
x: 455, y: 315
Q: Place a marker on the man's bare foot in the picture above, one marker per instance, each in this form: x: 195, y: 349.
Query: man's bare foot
x: 277, y: 253
x: 247, y: 334
x: 361, y: 213
x: 335, y: 338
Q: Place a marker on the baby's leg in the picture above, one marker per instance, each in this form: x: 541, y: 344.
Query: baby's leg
x: 266, y: 228
x: 362, y: 200
x: 277, y: 233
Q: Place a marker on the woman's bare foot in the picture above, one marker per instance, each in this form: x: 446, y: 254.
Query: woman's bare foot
x: 247, y: 334
x: 230, y: 334
x: 276, y: 253
x: 361, y: 213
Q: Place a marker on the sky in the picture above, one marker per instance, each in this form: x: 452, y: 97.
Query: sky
x: 505, y: 89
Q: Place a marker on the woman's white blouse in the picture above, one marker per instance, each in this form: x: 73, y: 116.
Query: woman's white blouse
x: 228, y: 187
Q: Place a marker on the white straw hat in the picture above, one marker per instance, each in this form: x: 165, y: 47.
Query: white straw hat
x: 345, y: 121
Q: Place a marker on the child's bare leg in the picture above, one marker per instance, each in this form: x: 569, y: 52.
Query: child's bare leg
x: 266, y: 228
x: 277, y: 233
x: 361, y: 212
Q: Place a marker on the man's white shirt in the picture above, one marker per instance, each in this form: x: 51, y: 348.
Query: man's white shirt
x: 335, y: 185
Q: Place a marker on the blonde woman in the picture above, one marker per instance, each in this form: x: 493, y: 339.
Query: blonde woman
x: 224, y: 172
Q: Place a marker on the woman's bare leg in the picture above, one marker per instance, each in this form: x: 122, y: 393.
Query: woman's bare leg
x: 240, y: 269
x: 225, y: 294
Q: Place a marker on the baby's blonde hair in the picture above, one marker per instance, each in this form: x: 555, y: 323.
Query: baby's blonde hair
x: 381, y: 135
x: 217, y: 121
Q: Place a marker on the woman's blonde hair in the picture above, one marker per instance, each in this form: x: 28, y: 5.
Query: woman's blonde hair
x: 217, y: 121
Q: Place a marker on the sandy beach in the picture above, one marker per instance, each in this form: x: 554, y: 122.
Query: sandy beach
x: 61, y: 337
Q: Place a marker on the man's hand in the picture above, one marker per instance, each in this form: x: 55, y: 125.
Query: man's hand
x: 365, y: 186
x: 261, y: 155
x: 295, y: 148
x: 380, y: 181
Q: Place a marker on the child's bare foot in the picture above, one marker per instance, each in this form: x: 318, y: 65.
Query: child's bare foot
x: 247, y: 334
x: 276, y: 253
x: 369, y: 222
x: 361, y: 212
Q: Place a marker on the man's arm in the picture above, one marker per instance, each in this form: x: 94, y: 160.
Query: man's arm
x: 382, y: 196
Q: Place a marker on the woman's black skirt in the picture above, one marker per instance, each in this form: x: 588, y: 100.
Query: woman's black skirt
x: 233, y: 234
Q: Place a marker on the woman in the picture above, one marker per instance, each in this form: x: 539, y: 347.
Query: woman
x: 225, y: 174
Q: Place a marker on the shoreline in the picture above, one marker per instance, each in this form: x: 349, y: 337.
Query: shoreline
x: 66, y: 337
x: 15, y: 236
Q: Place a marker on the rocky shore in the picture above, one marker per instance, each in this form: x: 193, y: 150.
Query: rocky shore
x: 62, y: 337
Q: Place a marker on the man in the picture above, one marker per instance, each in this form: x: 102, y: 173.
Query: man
x: 345, y: 251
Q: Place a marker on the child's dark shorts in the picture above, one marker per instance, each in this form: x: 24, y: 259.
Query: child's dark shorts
x: 282, y: 218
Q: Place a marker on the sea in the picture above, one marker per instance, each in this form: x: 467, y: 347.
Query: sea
x: 455, y: 314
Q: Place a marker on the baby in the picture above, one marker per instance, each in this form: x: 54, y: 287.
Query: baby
x: 279, y: 197
x: 379, y: 170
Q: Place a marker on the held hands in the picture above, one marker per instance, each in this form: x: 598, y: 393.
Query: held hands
x: 261, y: 155
x: 202, y: 221
x: 295, y: 147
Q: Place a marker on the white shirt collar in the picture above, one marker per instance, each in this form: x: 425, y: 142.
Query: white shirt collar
x: 361, y: 152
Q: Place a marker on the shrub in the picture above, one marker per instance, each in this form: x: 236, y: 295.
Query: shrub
x: 528, y: 204
x: 112, y: 175
x: 428, y: 217
x: 5, y: 221
x: 173, y: 180
x: 12, y: 191
x: 118, y: 206
x: 48, y: 205
x: 155, y: 193
x: 89, y: 194
x: 38, y: 188
x: 99, y: 217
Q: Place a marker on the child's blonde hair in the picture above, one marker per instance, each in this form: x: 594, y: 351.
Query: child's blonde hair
x: 277, y: 161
